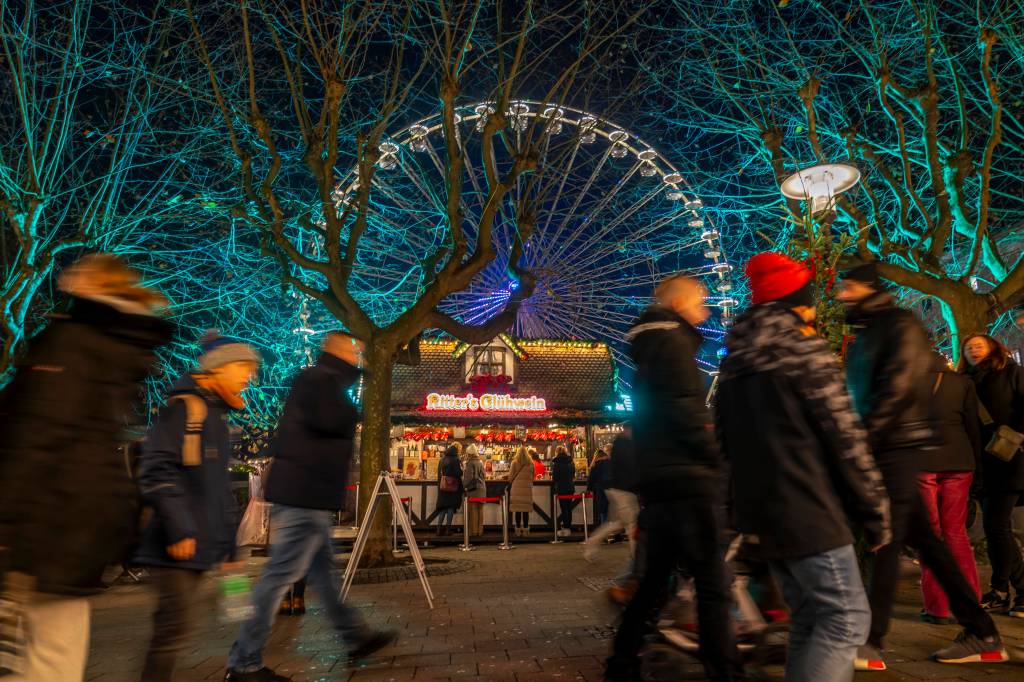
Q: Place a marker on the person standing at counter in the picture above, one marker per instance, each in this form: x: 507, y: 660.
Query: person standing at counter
x: 475, y: 484
x: 449, y: 488
x: 538, y: 466
x: 563, y: 473
x: 520, y: 482
x: 598, y: 482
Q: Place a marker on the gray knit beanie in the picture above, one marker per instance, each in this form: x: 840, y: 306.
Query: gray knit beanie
x: 218, y: 351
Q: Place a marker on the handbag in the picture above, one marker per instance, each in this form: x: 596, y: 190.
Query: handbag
x: 1005, y: 442
x: 448, y: 484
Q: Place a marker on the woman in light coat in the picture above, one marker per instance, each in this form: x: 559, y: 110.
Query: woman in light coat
x: 520, y: 478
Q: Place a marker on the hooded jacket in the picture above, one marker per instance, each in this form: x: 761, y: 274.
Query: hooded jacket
x: 314, y: 440
x: 188, y: 501
x: 888, y: 366
x: 69, y: 506
x: 676, y: 455
x: 798, y: 455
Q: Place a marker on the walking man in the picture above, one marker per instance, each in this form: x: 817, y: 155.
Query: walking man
x: 888, y: 370
x: 679, y: 478
x: 797, y: 452
x: 306, y: 484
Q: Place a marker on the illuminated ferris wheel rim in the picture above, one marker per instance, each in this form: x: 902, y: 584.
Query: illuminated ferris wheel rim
x: 414, y: 137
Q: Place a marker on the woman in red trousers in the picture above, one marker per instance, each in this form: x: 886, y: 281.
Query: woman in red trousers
x: 946, y: 477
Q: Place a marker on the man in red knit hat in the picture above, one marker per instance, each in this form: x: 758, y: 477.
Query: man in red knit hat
x: 801, y: 469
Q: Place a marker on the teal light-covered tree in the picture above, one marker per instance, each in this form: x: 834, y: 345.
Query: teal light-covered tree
x: 307, y: 92
x: 924, y: 97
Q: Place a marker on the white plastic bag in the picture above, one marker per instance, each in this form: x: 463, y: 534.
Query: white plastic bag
x: 254, y: 530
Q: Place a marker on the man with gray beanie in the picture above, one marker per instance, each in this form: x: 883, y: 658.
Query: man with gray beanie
x: 183, y: 476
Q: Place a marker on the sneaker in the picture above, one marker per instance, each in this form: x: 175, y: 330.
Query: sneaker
x: 935, y: 620
x: 994, y: 600
x: 372, y: 642
x: 868, y: 658
x: 564, y: 532
x: 1017, y: 610
x: 261, y: 675
x: 967, y: 648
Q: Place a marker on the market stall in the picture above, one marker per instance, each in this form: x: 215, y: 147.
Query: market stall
x: 500, y: 396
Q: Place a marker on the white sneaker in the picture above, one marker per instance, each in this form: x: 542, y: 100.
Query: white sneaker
x: 564, y: 533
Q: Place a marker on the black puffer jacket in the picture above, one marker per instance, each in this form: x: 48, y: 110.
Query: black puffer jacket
x: 888, y: 366
x: 798, y: 455
x: 1002, y: 393
x: 314, y: 440
x: 955, y: 410
x: 623, y: 464
x: 676, y: 453
x: 68, y: 502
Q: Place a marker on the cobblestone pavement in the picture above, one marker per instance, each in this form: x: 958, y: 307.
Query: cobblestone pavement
x: 535, y: 613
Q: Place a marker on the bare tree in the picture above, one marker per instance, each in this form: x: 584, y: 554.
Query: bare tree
x: 924, y: 97
x: 90, y: 150
x: 308, y: 96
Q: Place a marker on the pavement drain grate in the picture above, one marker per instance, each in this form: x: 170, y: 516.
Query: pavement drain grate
x: 596, y: 584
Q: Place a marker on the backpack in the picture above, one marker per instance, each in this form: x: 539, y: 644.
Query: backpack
x: 195, y: 417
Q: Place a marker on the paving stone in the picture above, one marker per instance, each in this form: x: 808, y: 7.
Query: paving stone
x: 522, y: 616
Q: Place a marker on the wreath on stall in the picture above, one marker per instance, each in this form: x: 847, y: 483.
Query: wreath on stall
x: 485, y: 383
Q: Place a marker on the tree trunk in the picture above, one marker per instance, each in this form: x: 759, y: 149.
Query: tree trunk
x: 966, y: 314
x: 375, y: 443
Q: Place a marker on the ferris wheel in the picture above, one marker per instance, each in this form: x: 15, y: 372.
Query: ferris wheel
x: 610, y: 217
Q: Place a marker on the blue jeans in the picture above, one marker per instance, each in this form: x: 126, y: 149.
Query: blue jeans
x: 300, y: 543
x: 829, y: 618
x: 445, y: 516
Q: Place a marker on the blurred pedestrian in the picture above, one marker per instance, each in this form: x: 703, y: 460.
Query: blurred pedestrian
x: 801, y: 468
x: 474, y: 482
x: 679, y: 476
x: 449, y: 488
x: 598, y: 481
x: 622, y: 501
x: 69, y: 504
x: 946, y: 479
x: 887, y: 370
x: 520, y: 501
x: 563, y: 482
x: 306, y: 485
x: 183, y: 476
x: 1000, y: 388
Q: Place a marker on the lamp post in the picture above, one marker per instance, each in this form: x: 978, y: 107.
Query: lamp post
x: 820, y: 185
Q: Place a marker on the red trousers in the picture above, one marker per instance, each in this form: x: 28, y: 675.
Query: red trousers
x: 946, y: 495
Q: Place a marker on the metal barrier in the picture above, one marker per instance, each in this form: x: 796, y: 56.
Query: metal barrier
x: 505, y: 544
x: 465, y: 546
x: 583, y: 497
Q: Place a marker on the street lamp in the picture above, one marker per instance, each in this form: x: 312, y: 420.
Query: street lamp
x: 820, y: 185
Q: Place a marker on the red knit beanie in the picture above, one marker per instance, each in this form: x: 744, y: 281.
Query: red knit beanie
x: 774, y: 276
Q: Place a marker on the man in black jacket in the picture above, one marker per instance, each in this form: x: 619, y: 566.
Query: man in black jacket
x: 306, y: 484
x: 888, y: 372
x: 800, y: 468
x: 678, y: 479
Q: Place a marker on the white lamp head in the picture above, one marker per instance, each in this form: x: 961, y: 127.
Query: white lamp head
x: 819, y: 185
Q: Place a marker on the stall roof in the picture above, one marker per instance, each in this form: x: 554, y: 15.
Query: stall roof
x: 575, y: 378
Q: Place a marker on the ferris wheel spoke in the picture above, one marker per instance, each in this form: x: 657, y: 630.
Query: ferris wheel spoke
x: 588, y: 220
x: 556, y: 238
x: 613, y: 224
